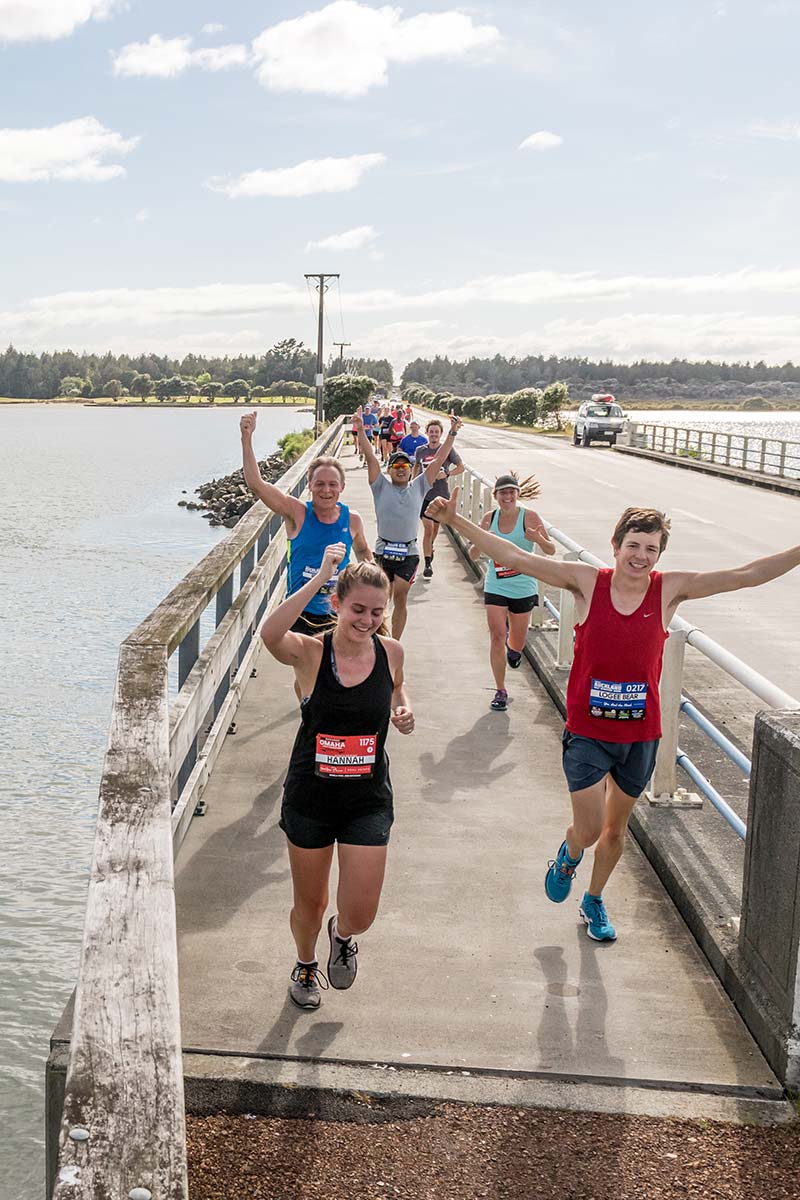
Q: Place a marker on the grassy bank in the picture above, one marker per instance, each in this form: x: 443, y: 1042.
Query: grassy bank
x: 178, y: 402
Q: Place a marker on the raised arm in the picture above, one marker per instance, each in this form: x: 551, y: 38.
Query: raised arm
x: 576, y: 577
x: 694, y: 585
x: 365, y: 446
x: 433, y: 468
x: 288, y: 647
x: 289, y: 507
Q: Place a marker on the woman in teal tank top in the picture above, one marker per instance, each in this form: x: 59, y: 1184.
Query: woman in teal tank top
x: 509, y: 596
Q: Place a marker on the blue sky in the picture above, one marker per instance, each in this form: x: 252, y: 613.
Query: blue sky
x: 613, y: 180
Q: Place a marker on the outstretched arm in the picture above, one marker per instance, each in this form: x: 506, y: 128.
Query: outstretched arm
x: 289, y: 507
x: 694, y: 585
x: 365, y: 446
x: 433, y: 468
x: 576, y: 577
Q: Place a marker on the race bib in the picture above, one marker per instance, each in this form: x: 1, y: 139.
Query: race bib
x: 504, y: 572
x: 617, y: 701
x: 327, y: 589
x: 395, y: 551
x: 345, y: 757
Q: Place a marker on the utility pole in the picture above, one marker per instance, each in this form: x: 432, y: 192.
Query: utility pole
x: 322, y: 289
x: 341, y: 346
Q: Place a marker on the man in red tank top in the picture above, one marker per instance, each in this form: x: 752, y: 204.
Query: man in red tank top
x: 613, y: 721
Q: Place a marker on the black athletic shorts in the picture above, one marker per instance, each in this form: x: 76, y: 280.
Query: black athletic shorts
x: 341, y: 821
x: 312, y: 623
x: 586, y: 761
x: 405, y: 569
x: 514, y: 604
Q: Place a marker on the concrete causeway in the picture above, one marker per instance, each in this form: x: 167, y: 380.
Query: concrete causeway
x: 471, y: 984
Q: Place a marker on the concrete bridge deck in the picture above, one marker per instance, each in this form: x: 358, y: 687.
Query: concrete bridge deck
x: 469, y: 976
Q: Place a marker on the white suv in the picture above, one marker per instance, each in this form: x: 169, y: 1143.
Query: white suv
x: 599, y: 420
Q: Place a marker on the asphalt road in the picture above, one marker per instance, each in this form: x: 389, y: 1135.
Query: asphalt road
x: 715, y: 523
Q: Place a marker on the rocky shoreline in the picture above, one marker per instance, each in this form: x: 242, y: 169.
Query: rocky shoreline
x: 225, y: 500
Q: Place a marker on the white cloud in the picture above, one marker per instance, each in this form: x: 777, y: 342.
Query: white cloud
x: 27, y: 20
x: 542, y: 140
x: 71, y: 151
x: 346, y: 48
x: 305, y: 179
x: 142, y: 215
x: 166, y: 58
x: 779, y: 131
x: 213, y: 27
x: 351, y: 239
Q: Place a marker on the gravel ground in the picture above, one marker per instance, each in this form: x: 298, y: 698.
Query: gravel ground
x: 482, y: 1153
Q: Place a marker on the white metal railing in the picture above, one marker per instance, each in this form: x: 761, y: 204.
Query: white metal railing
x: 476, y: 498
x: 747, y: 452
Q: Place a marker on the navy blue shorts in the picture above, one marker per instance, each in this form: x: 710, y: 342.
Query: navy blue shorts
x: 586, y: 761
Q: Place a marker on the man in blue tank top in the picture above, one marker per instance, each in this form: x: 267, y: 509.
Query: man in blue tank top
x: 310, y: 526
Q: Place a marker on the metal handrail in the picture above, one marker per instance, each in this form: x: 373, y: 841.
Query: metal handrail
x: 744, y: 451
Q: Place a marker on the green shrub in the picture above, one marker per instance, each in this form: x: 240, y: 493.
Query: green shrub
x: 344, y: 393
x: 472, y: 407
x: 521, y: 408
x: 292, y: 445
x: 491, y: 407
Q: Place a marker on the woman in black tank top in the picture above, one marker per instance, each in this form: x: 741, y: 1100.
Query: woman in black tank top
x: 337, y: 788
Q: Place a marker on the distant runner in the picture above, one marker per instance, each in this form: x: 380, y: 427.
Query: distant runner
x: 310, y: 526
x: 452, y: 465
x: 613, y: 722
x: 510, y: 596
x: 397, y: 504
x: 385, y: 422
x: 337, y: 788
x: 413, y: 439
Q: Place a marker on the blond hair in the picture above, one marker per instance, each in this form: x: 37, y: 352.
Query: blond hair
x: 325, y: 460
x: 363, y: 574
x: 529, y: 488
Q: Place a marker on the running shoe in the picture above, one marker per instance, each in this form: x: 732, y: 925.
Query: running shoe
x: 513, y: 657
x: 428, y: 572
x: 560, y: 874
x: 342, y: 960
x: 500, y: 702
x: 594, y: 914
x: 306, y: 982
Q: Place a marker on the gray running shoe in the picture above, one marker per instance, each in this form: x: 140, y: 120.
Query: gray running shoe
x: 306, y: 982
x: 342, y: 960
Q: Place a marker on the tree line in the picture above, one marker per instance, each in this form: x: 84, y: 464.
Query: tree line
x: 642, y: 379
x: 287, y: 369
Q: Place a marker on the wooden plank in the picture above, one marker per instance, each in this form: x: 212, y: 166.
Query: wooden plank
x: 196, y: 696
x: 168, y: 624
x: 124, y: 1084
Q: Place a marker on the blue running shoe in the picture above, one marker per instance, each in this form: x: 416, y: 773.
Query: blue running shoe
x: 594, y: 914
x: 560, y: 874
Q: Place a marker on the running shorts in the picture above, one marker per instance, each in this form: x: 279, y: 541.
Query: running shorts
x: 406, y: 569
x: 586, y: 761
x: 313, y: 828
x: 514, y: 604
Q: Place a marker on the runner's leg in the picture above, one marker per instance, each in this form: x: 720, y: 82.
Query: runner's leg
x: 518, y: 624
x: 400, y: 590
x: 429, y: 532
x: 310, y: 872
x: 496, y: 620
x: 588, y: 818
x: 608, y: 851
x: 361, y: 872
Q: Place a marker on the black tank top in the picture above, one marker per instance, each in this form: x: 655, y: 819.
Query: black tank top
x: 340, y: 744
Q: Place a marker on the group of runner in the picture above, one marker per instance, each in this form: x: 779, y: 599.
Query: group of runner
x: 351, y: 681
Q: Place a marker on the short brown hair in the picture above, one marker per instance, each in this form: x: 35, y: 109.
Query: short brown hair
x: 642, y: 520
x: 325, y: 460
x: 434, y: 421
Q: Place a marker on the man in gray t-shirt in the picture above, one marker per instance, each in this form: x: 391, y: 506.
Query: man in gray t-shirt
x: 398, y: 500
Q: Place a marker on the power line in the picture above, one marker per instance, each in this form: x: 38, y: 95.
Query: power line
x: 322, y: 287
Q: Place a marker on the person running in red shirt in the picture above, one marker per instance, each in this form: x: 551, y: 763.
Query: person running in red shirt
x: 613, y: 721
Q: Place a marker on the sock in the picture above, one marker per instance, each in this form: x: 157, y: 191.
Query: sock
x: 312, y: 962
x: 591, y: 897
x: 573, y: 862
x: 335, y: 931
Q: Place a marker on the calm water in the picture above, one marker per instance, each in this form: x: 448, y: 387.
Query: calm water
x: 91, y: 539
x: 782, y: 425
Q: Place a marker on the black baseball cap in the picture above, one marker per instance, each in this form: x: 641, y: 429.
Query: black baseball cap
x: 504, y: 481
x: 399, y: 456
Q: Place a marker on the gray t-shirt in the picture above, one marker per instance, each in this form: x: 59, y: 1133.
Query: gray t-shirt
x: 439, y: 487
x: 397, y: 511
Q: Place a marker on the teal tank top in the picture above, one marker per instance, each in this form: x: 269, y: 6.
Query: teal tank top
x: 501, y: 580
x: 304, y: 555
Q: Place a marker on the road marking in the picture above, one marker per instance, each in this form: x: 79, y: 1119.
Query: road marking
x: 694, y: 516
x: 605, y: 482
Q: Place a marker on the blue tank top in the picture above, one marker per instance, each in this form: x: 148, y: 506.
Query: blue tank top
x: 305, y: 553
x: 501, y: 580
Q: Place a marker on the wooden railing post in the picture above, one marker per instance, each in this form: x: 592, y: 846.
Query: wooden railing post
x: 664, y: 788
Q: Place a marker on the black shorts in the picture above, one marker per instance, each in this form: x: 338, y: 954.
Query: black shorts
x: 514, y: 604
x: 312, y: 623
x: 405, y: 569
x: 342, y: 821
x: 428, y: 497
x: 587, y: 760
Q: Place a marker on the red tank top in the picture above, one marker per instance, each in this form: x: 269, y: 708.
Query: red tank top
x: 612, y: 694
